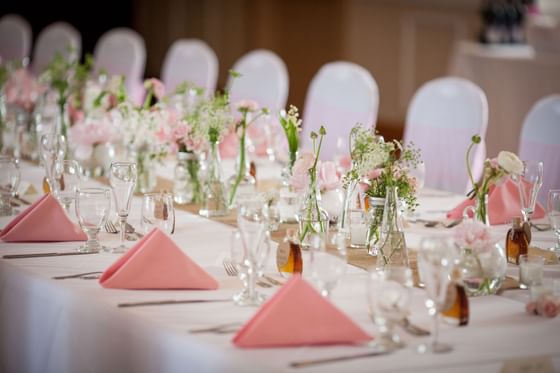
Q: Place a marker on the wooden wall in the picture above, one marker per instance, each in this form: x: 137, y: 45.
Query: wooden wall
x: 403, y: 43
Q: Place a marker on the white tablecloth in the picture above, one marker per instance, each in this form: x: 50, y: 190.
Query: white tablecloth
x: 75, y: 325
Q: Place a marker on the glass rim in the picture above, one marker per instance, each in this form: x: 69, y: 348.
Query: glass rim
x: 532, y: 258
x: 123, y: 163
x: 93, y: 190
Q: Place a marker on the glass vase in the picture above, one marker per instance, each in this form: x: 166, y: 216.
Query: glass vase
x: 213, y: 192
x: 483, y: 273
x: 145, y: 167
x: 187, y: 187
x: 479, y: 211
x: 242, y: 185
x: 98, y: 161
x: 392, y: 249
x: 375, y: 219
x: 312, y: 218
x: 353, y: 200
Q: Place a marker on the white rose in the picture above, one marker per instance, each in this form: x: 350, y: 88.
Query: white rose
x: 510, y: 163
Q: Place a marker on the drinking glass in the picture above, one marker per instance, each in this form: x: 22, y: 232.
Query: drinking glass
x: 92, y: 209
x: 529, y: 184
x: 250, y: 252
x: 123, y: 180
x: 52, y: 148
x: 157, y: 211
x: 530, y: 271
x: 553, y: 211
x: 436, y: 259
x: 66, y: 180
x: 327, y: 264
x: 9, y: 182
x: 389, y: 292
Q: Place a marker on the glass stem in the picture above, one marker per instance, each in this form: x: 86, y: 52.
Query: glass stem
x: 435, y: 332
x: 251, y: 281
x: 92, y: 244
x: 122, y: 221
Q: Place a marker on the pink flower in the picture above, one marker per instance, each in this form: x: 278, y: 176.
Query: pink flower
x: 345, y: 162
x: 374, y: 174
x: 300, y: 171
x: 246, y: 105
x: 21, y: 89
x: 531, y: 308
x: 157, y: 87
x: 548, y: 306
x: 475, y: 236
x: 89, y: 132
x: 328, y: 178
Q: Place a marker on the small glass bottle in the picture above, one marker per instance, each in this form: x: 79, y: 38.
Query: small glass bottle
x: 517, y: 242
x: 288, y: 255
x: 457, y: 312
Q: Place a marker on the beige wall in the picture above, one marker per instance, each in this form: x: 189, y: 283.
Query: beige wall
x: 403, y: 43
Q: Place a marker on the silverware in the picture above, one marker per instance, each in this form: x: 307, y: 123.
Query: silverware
x: 24, y: 201
x: 412, y: 329
x: 77, y: 275
x: 40, y: 255
x: 172, y: 301
x: 307, y: 363
x: 541, y: 227
x: 435, y: 223
x: 231, y: 270
x: 110, y: 227
x: 231, y: 327
x: 131, y: 230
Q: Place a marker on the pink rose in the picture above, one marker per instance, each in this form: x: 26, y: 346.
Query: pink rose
x: 328, y: 178
x: 158, y: 88
x: 300, y: 171
x: 474, y: 235
x: 548, y: 306
x: 246, y: 105
x: 374, y: 174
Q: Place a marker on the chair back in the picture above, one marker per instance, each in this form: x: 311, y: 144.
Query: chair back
x: 58, y: 37
x: 15, y: 38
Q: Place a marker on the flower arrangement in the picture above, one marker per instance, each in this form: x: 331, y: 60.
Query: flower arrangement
x: 546, y: 305
x: 291, y: 124
x: 22, y: 89
x: 474, y: 236
x: 312, y: 218
x: 495, y: 170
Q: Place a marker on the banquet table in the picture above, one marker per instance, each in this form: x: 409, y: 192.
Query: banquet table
x: 74, y: 325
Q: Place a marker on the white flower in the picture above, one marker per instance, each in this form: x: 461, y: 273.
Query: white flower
x: 510, y: 163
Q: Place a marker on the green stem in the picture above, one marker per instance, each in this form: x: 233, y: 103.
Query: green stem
x: 241, y: 170
x: 469, y: 167
x: 148, y: 99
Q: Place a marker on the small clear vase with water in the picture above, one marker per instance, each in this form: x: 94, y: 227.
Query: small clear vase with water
x: 392, y: 249
x: 213, y: 192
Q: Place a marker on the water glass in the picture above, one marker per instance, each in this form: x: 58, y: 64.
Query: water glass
x: 436, y: 260
x: 389, y: 292
x: 553, y: 212
x: 358, y: 228
x: 66, y: 180
x: 9, y: 182
x: 327, y: 264
x: 529, y: 184
x: 123, y: 180
x: 530, y: 271
x: 157, y: 211
x: 92, y: 209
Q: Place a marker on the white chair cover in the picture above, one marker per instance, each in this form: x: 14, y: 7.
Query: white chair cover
x: 540, y: 141
x: 193, y: 61
x: 121, y: 51
x: 264, y: 79
x: 15, y: 38
x: 340, y: 95
x: 442, y: 117
x: 58, y: 37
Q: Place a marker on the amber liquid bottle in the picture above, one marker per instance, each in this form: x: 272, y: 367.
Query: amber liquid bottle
x: 517, y: 242
x: 288, y: 256
x: 457, y: 313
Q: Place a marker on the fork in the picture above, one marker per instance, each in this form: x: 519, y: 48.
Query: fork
x: 110, y: 227
x: 232, y: 271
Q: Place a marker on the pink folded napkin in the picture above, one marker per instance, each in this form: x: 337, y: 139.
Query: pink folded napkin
x: 297, y: 315
x: 43, y: 221
x: 156, y: 262
x: 503, y: 204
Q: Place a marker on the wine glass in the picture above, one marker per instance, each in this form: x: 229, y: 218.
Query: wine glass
x: 157, y: 211
x: 327, y: 265
x: 9, y: 182
x: 66, y: 180
x: 122, y: 178
x: 92, y: 209
x: 529, y: 184
x: 553, y: 211
x: 52, y: 147
x: 436, y: 259
x: 389, y: 292
x: 250, y: 252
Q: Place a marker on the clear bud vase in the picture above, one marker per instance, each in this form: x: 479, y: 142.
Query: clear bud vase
x: 242, y: 185
x: 479, y: 211
x: 187, y: 187
x: 392, y: 250
x: 352, y: 201
x: 312, y: 219
x: 213, y: 191
x: 146, y: 181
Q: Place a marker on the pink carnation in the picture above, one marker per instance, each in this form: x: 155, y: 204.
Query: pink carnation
x: 374, y: 174
x: 474, y: 235
x: 23, y: 90
x: 92, y: 131
x: 548, y: 306
x: 300, y: 171
x: 328, y: 178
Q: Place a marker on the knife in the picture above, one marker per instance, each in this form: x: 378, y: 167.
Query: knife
x: 307, y: 363
x: 41, y: 255
x: 164, y: 302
